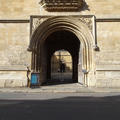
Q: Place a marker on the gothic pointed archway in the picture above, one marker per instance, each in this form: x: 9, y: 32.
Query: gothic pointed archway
x: 77, y: 34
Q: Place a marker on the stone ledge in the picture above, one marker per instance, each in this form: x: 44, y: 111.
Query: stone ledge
x: 108, y: 68
x: 98, y: 19
x: 14, y: 21
x: 13, y: 68
x: 108, y: 20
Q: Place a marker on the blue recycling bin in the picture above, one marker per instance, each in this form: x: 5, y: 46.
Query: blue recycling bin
x: 35, y: 77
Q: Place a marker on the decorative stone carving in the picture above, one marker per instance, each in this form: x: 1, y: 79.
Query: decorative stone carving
x: 61, y: 5
x: 88, y: 22
x: 37, y: 21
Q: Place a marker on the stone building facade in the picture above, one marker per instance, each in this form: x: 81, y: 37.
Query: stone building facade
x: 30, y: 33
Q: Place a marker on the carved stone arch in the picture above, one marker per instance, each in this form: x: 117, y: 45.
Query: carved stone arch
x: 72, y: 24
x: 77, y: 27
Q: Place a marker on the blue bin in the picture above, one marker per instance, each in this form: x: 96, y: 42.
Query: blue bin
x: 35, y: 78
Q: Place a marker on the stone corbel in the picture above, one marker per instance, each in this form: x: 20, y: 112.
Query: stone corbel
x: 29, y: 49
x: 96, y: 48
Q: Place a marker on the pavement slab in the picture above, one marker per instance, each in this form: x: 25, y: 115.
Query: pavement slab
x: 62, y: 88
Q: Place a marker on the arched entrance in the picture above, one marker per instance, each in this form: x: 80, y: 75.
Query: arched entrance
x: 62, y: 40
x: 76, y: 38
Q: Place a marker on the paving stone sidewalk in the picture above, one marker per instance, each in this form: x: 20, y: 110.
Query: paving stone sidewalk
x: 62, y: 88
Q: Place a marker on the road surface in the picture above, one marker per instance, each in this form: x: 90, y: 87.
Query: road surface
x: 59, y: 106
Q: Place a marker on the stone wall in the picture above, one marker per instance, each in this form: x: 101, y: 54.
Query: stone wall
x: 108, y: 78
x: 15, y: 36
x: 14, y: 40
x: 13, y: 78
x: 22, y: 9
x: 108, y: 58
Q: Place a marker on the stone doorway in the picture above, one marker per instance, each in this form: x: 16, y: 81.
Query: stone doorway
x: 49, y: 34
x: 62, y: 40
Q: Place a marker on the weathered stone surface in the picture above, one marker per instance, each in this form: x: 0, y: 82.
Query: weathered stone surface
x: 22, y: 9
x: 108, y: 59
x: 13, y: 78
x: 108, y: 78
x: 15, y: 37
x: 14, y: 40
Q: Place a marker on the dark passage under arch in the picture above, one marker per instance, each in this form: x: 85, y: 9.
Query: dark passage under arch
x: 62, y: 40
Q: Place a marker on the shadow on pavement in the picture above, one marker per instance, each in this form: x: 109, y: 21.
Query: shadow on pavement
x: 68, y: 108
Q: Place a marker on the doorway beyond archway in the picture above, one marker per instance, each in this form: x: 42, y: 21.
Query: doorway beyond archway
x: 61, y: 67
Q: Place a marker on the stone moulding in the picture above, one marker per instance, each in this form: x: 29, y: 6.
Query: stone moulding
x: 76, y: 24
x: 61, y: 5
x: 13, y: 68
x: 88, y: 20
